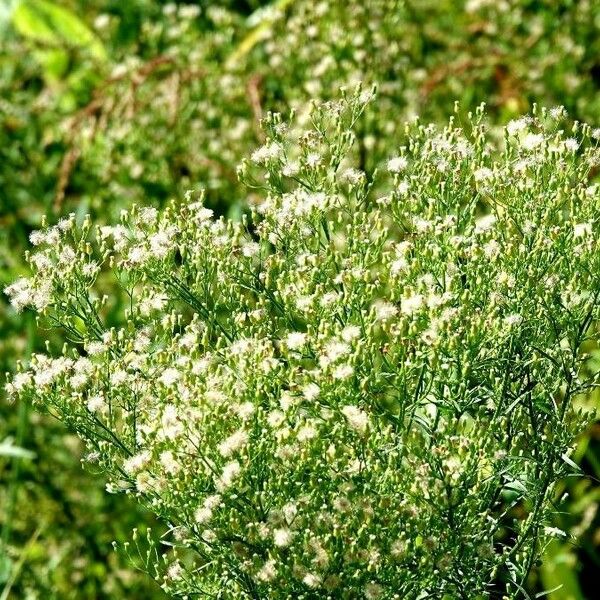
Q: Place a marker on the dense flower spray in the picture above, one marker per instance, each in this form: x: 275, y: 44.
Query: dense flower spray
x: 364, y: 389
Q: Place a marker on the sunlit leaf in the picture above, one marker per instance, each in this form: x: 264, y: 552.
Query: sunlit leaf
x: 45, y: 22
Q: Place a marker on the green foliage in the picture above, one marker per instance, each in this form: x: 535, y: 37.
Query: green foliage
x: 54, y: 27
x: 104, y: 104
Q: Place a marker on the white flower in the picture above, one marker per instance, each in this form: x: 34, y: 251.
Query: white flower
x: 422, y: 225
x: 210, y: 504
x: 169, y: 377
x: 513, y: 320
x: 306, y: 432
x: 582, y: 230
x: 311, y: 391
x: 96, y: 403
x: 385, y: 310
x: 202, y: 214
x: 412, y: 304
x: 136, y: 462
x: 231, y: 472
x: 311, y: 580
x: 555, y: 532
x: 233, y: 443
x: 244, y: 410
x: 342, y: 504
x: 169, y: 462
x: 161, y: 244
x: 350, y: 333
x: 295, y: 340
x: 153, y: 302
x: 205, y: 512
x: 208, y: 535
x: 329, y: 298
x: 189, y: 11
x: 336, y: 349
x: 203, y: 515
x: 397, y: 164
x: 485, y: 223
x: 373, y: 591
x: 571, y: 144
x: 67, y: 256
x: 212, y: 501
x: 267, y: 572
x: 291, y: 168
x: 20, y: 381
x: 313, y: 159
x: 20, y: 293
x: 287, y: 400
x: 333, y: 351
x: 44, y: 378
x: 102, y: 21
x: 144, y: 482
x: 282, y: 537
x: 275, y: 418
x: 398, y: 549
x: 175, y: 571
x: 517, y: 125
x: 354, y: 176
x: 532, y: 140
x: 403, y: 188
x: 304, y: 303
x: 37, y: 237
x: 42, y: 262
x: 357, y: 419
x: 266, y: 153
x: 492, y: 249
x: 94, y: 348
x: 250, y: 249
x: 137, y: 255
x: 290, y: 510
x: 343, y: 372
x: 172, y: 427
x: 483, y: 174
x: 78, y: 381
x: 398, y: 266
x: 53, y: 236
x: 148, y: 215
x: 42, y: 296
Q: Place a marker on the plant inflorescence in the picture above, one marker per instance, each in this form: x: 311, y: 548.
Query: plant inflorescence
x: 365, y: 387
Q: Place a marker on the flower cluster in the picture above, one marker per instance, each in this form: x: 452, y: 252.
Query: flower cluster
x: 362, y: 389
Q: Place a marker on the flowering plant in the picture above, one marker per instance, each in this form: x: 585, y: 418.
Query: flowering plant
x: 365, y: 387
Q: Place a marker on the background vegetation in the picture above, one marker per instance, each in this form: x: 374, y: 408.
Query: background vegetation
x: 104, y: 104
